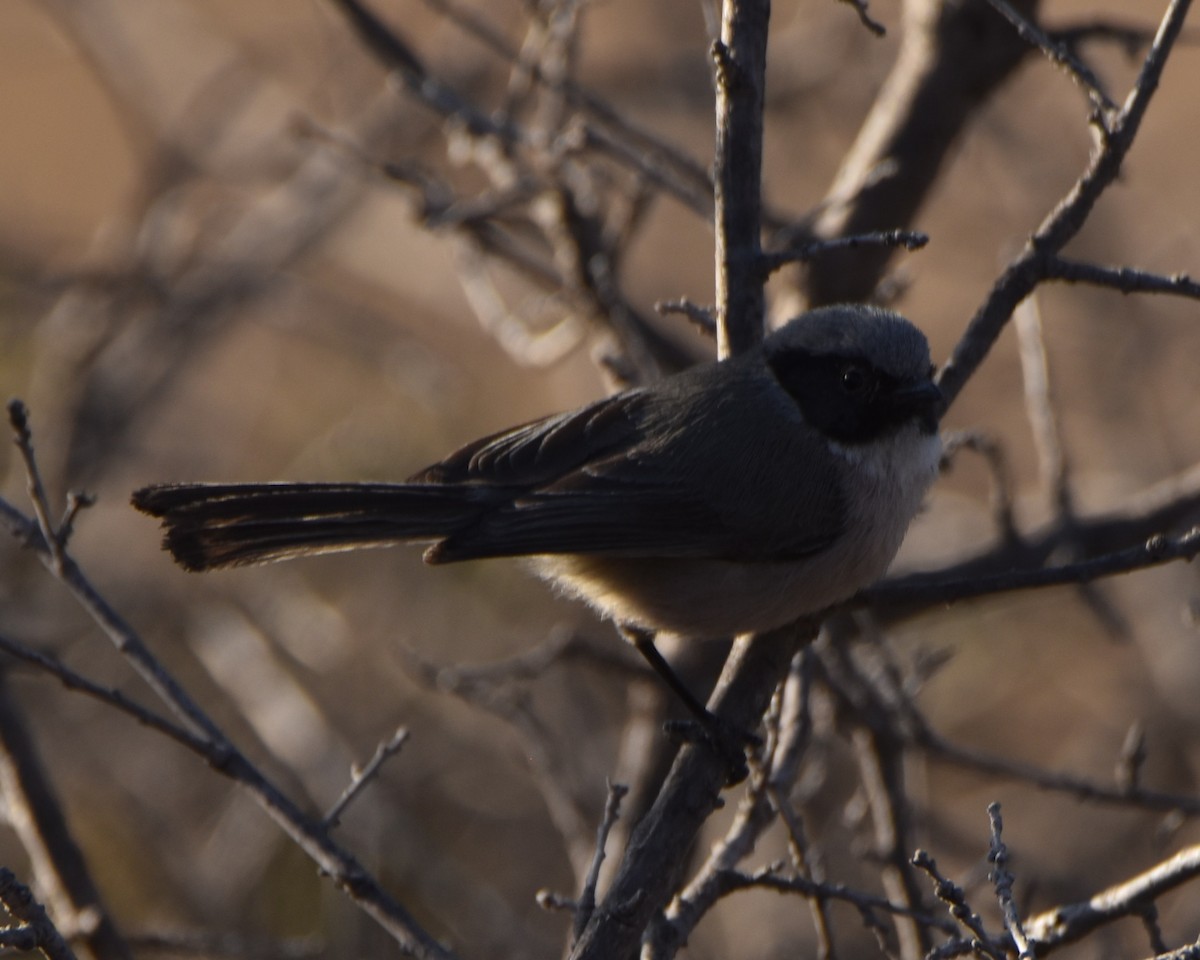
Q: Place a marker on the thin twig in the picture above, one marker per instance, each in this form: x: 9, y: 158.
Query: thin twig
x: 931, y: 589
x: 864, y: 17
x: 1002, y: 881
x: 732, y: 880
x: 492, y: 690
x: 18, y: 419
x: 1079, y: 787
x: 702, y: 317
x: 1071, y: 922
x: 994, y: 455
x: 209, y: 742
x: 1125, y: 279
x: 1058, y: 53
x: 908, y: 239
x: 952, y: 895
x: 689, y: 906
x: 113, y: 698
x: 649, y: 873
x: 359, y: 779
x: 37, y: 816
x: 587, y: 897
x: 20, y: 902
x: 661, y: 162
x: 1068, y: 217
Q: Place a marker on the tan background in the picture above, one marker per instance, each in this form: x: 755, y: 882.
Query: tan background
x: 365, y: 360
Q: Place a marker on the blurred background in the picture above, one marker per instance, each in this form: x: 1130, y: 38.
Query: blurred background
x: 223, y: 257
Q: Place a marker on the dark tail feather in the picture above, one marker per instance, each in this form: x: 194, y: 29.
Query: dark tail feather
x: 222, y: 525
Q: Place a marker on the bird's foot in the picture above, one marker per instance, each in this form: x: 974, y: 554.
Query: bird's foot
x: 728, y: 741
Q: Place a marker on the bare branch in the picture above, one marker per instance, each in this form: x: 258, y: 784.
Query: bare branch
x: 650, y: 870
x: 490, y: 689
x: 1067, y: 219
x: 702, y: 317
x: 952, y: 58
x: 1060, y: 782
x: 864, y: 17
x: 1058, y: 54
x: 955, y: 899
x: 587, y: 899
x: 1124, y: 279
x: 741, y: 59
x: 18, y: 419
x: 42, y: 934
x: 114, y: 698
x: 732, y: 881
x: 908, y: 239
x: 1002, y: 880
x: 212, y: 744
x: 999, y: 471
x: 60, y: 869
x: 934, y: 589
x: 360, y: 778
x: 1071, y: 922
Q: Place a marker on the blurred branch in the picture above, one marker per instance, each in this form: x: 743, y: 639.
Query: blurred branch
x: 656, y: 159
x: 1070, y: 923
x: 587, y: 897
x: 1124, y: 279
x: 876, y: 739
x: 1002, y: 882
x: 935, y: 589
x: 979, y: 942
x: 32, y: 809
x: 1059, y: 54
x: 222, y: 755
x: 1117, y: 541
x: 1029, y: 268
x: 491, y: 689
x: 999, y: 471
x: 583, y: 254
x: 953, y: 57
x: 360, y: 778
x: 652, y: 865
x: 77, y: 682
x: 1050, y: 448
x: 205, y: 944
x: 37, y: 931
x: 1125, y: 795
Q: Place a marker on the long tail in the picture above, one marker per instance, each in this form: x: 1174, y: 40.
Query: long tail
x: 211, y: 525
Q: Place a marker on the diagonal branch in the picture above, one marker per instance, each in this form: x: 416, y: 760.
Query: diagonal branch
x: 1067, y: 219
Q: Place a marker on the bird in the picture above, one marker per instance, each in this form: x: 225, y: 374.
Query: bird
x: 736, y: 496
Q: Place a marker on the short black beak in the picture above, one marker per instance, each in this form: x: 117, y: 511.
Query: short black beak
x: 922, y: 400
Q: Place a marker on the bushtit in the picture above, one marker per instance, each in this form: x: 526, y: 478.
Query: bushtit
x: 736, y: 496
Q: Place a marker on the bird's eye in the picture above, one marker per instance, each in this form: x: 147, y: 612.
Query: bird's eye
x: 856, y: 381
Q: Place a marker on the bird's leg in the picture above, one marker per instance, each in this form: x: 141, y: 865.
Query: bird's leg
x: 730, y: 743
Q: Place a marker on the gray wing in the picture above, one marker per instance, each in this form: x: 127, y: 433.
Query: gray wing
x: 544, y: 450
x: 588, y: 512
x: 620, y: 495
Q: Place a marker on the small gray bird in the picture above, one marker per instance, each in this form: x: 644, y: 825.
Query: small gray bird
x: 734, y: 497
